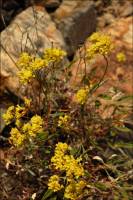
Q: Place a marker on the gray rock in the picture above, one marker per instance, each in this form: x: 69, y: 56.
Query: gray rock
x: 76, y: 20
x: 127, y: 10
x: 52, y: 3
x: 108, y: 18
x: 32, y: 31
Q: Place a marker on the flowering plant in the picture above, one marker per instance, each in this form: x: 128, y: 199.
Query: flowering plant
x: 71, y: 119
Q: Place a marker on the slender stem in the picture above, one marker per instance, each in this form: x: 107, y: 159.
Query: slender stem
x: 78, y: 66
x: 9, y: 55
x: 85, y: 60
x: 106, y: 67
x: 105, y: 71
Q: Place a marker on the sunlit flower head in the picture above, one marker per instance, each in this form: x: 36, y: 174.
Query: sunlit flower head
x: 54, y: 184
x: 100, y: 44
x: 54, y: 54
x: 121, y: 57
x: 82, y: 94
x: 16, y: 138
x: 9, y: 115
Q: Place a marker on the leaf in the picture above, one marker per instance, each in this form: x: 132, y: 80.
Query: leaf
x: 113, y: 156
x: 97, y: 104
x: 42, y: 135
x: 47, y: 194
x: 128, y: 97
x: 96, y: 86
x: 53, y: 198
x: 123, y: 129
x: 124, y: 145
x: 102, y: 186
x: 98, y: 159
x: 105, y: 96
x: 57, y: 114
x: 31, y: 172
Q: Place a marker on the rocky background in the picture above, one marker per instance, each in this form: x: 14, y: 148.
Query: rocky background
x: 66, y: 24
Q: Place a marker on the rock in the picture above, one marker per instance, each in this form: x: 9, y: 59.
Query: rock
x: 10, y: 5
x: 32, y: 30
x: 105, y: 20
x: 76, y: 20
x: 119, y: 75
x: 52, y: 3
x: 8, y: 9
x: 108, y: 18
x: 127, y: 9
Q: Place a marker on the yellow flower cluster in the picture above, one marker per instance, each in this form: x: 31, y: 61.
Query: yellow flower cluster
x: 64, y: 162
x: 54, y: 183
x: 34, y: 126
x: 26, y: 131
x: 54, y: 54
x: 57, y: 159
x: 29, y: 64
x: 27, y: 102
x: 15, y: 113
x: 23, y: 130
x: 9, y: 115
x: 121, y: 57
x: 82, y: 95
x: 101, y: 44
x: 64, y: 121
x: 19, y: 111
x: 16, y: 138
x: 67, y: 163
x: 74, y: 190
x: 24, y: 60
x: 72, y: 167
x: 25, y: 75
x: 38, y: 63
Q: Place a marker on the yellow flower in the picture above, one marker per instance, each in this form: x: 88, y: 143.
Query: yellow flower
x: 9, y: 115
x: 54, y: 54
x: 26, y: 128
x: 70, y: 191
x: 66, y: 163
x: 27, y: 102
x: 101, y: 44
x: 24, y: 61
x: 18, y: 123
x: 19, y: 112
x: 16, y: 138
x: 54, y: 184
x: 121, y: 57
x: 80, y: 186
x: 74, y: 190
x: 73, y: 167
x: 58, y: 159
x: 64, y: 121
x: 38, y: 63
x: 81, y: 95
x: 61, y: 147
x: 29, y: 64
x: 34, y: 126
x: 25, y: 75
